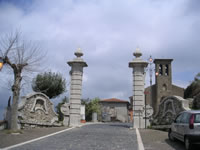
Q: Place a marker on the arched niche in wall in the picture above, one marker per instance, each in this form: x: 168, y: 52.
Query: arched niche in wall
x: 164, y: 87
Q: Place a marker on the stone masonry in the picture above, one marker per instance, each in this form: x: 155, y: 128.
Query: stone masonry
x: 65, y: 111
x: 76, y: 73
x: 138, y: 66
x: 36, y: 109
x: 169, y: 108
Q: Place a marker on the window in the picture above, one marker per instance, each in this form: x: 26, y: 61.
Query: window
x: 164, y: 88
x: 160, y: 70
x: 166, y: 70
x: 197, y: 118
x: 178, y: 118
x: 185, y: 118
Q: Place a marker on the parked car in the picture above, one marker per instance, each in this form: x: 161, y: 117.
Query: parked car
x: 186, y: 128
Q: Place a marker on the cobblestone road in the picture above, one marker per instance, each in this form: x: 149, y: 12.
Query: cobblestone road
x: 90, y: 137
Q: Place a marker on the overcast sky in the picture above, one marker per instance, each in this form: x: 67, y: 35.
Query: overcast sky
x: 108, y: 32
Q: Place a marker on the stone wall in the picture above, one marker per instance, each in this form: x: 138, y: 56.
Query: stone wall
x: 148, y: 90
x: 177, y: 91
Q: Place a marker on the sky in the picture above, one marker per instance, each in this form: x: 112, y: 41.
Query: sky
x: 108, y: 32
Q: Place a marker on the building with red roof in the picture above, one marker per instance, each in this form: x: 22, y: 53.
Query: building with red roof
x: 114, y: 109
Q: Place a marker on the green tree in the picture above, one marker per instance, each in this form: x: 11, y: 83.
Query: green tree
x: 60, y: 115
x: 49, y: 83
x: 90, y: 107
x: 194, y: 88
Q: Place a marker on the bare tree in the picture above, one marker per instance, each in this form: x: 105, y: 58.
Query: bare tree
x: 21, y: 57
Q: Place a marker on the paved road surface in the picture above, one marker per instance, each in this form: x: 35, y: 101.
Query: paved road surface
x: 158, y: 140
x: 90, y: 137
x: 7, y: 140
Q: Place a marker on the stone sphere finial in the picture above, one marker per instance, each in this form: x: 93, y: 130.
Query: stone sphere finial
x: 78, y: 52
x: 137, y: 53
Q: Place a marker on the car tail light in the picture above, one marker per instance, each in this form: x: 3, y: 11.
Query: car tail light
x: 191, y: 125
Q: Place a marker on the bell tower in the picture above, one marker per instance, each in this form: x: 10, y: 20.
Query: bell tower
x: 163, y: 79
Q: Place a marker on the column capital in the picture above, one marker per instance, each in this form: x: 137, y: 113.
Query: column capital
x: 137, y: 61
x: 78, y: 60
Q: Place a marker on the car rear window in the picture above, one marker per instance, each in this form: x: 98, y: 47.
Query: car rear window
x: 197, y: 118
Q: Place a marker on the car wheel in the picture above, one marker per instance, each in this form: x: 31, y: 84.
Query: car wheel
x: 170, y: 136
x: 188, y: 144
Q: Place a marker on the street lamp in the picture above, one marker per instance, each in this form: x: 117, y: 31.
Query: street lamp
x: 150, y: 59
x: 150, y: 73
x: 1, y: 63
x: 157, y: 73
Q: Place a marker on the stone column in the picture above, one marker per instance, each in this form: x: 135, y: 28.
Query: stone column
x: 75, y: 88
x: 138, y: 66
